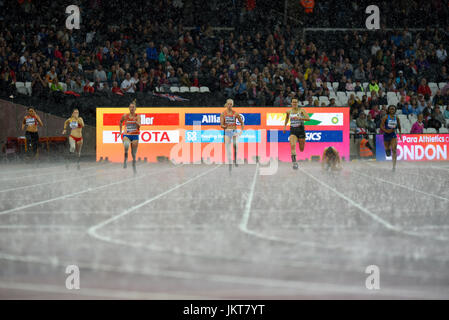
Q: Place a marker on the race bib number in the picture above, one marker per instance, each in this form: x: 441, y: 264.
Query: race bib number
x: 74, y: 124
x: 130, y: 127
x: 30, y: 121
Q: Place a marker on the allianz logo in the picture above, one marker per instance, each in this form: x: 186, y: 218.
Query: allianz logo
x: 213, y: 118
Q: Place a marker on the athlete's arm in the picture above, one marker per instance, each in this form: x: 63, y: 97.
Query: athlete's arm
x: 241, y: 121
x: 286, y: 120
x: 382, y: 125
x: 222, y: 121
x: 65, y: 125
x: 338, y: 164
x: 324, y: 158
x: 81, y: 122
x: 121, y: 123
x: 399, y: 127
x: 138, y: 121
x: 39, y: 120
x: 23, y: 124
x: 305, y: 114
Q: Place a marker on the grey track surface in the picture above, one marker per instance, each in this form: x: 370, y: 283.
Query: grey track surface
x: 197, y: 232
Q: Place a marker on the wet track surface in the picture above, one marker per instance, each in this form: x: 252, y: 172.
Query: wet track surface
x: 198, y: 232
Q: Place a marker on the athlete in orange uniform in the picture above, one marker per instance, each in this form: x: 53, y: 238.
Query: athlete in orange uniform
x: 130, y: 135
x: 31, y: 120
x: 228, y: 121
x: 76, y: 124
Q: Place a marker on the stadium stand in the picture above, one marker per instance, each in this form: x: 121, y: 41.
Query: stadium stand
x: 213, y: 56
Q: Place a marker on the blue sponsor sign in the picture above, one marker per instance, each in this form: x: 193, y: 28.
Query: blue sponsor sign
x: 207, y: 136
x: 213, y: 119
x: 311, y: 136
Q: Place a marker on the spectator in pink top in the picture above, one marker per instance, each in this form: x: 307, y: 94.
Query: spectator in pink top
x: 374, y: 112
x: 418, y: 126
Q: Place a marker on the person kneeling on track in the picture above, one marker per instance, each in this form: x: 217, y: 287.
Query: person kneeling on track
x: 331, y: 159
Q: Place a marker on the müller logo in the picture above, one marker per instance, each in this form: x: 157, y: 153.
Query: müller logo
x: 146, y: 120
x: 147, y: 136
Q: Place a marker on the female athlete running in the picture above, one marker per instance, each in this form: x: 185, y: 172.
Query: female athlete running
x: 31, y: 120
x: 131, y: 133
x: 76, y: 124
x: 389, y: 125
x: 297, y: 117
x: 228, y: 121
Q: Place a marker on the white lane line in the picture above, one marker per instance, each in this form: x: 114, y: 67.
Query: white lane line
x: 367, y: 212
x: 41, y: 226
x: 93, y: 230
x: 312, y: 288
x: 245, y: 219
x: 80, y: 192
x: 401, y: 186
x: 49, y: 173
x: 92, y: 292
x: 440, y: 168
x: 55, y: 181
x: 243, y: 226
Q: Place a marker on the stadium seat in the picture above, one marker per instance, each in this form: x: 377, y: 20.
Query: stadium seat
x: 442, y: 84
x: 392, y: 98
x: 20, y: 86
x: 329, y: 86
x: 174, y: 89
x: 204, y: 89
x: 359, y: 94
x: 430, y: 130
x: 365, y: 85
x: 28, y: 88
x: 184, y: 89
x: 444, y: 130
x: 433, y: 87
x: 194, y: 89
x: 324, y: 99
x: 342, y: 97
x: 348, y: 94
x: 335, y: 86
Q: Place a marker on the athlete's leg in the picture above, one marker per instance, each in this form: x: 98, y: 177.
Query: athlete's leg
x: 35, y: 144
x: 134, y: 146
x: 235, y: 144
x: 79, y: 146
x: 387, y: 146
x: 394, y: 143
x: 126, y: 144
x: 227, y: 140
x: 302, y: 143
x: 293, y: 140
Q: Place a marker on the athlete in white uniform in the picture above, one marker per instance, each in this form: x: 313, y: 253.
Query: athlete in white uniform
x: 228, y: 121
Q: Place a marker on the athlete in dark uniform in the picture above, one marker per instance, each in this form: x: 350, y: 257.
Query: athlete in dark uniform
x: 31, y: 121
x: 331, y: 159
x: 297, y: 116
x: 389, y: 124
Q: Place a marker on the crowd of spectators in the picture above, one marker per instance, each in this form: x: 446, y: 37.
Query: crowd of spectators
x: 120, y: 51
